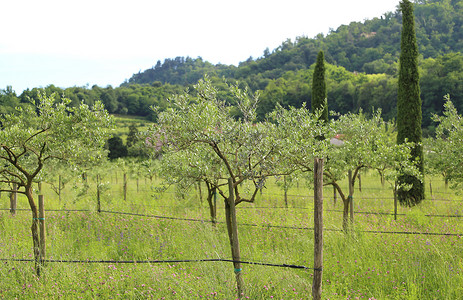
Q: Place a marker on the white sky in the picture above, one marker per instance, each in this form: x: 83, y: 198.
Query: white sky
x: 74, y: 43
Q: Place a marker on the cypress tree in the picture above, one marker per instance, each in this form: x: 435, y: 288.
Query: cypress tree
x: 319, y: 99
x: 409, y: 105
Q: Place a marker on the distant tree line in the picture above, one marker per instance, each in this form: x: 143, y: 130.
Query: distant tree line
x: 361, y: 70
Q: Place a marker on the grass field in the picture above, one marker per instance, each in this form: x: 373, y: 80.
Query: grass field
x: 417, y: 262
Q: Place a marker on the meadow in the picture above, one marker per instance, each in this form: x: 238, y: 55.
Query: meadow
x: 417, y: 256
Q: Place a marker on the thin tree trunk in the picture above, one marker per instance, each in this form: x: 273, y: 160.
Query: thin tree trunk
x: 350, y: 198
x: 200, y: 192
x: 138, y: 183
x: 230, y: 213
x: 211, y: 195
x: 34, y: 228
x: 360, y: 182
x: 13, y: 199
x: 318, y: 229
x: 335, y: 195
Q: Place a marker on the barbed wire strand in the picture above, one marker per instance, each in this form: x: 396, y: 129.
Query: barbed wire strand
x: 159, y: 262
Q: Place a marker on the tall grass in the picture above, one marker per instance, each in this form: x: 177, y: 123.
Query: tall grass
x: 359, y: 265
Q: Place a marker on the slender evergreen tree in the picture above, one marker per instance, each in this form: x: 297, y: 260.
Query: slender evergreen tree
x: 319, y: 99
x: 409, y: 105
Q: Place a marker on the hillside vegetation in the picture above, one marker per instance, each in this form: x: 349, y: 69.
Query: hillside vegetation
x: 362, y: 61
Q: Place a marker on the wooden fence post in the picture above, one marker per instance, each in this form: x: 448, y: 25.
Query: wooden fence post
x: 13, y: 199
x: 125, y: 186
x: 42, y: 230
x: 98, y: 203
x: 395, y: 201
x: 430, y: 187
x: 286, y: 191
x: 138, y: 179
x: 318, y: 229
x: 230, y: 214
x: 59, y: 188
x: 350, y: 197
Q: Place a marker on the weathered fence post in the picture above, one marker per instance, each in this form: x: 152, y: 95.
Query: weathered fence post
x: 138, y: 176
x: 286, y: 191
x: 430, y: 187
x: 230, y: 214
x: 351, y: 198
x: 125, y: 186
x: 318, y: 229
x: 395, y: 201
x: 59, y: 188
x: 42, y: 230
x: 98, y: 203
x: 13, y: 199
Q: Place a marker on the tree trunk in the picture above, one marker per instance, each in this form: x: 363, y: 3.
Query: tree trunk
x: 335, y: 196
x: 200, y: 193
x: 360, y: 182
x: 34, y: 228
x: 13, y: 200
x: 318, y: 229
x: 138, y: 182
x: 230, y: 214
x: 211, y: 199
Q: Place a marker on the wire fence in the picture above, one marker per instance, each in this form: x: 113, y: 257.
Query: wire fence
x: 160, y: 262
x: 263, y: 226
x: 244, y: 224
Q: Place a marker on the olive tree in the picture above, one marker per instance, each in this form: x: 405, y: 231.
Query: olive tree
x: 184, y: 169
x: 446, y: 151
x: 365, y: 143
x: 34, y: 136
x: 206, y: 130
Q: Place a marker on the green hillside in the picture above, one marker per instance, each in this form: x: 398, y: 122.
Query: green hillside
x: 362, y: 62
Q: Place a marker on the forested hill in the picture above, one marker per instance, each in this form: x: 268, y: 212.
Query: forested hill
x: 362, y: 60
x: 371, y: 47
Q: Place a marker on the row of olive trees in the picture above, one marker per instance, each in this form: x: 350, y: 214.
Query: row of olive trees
x: 37, y: 139
x: 202, y: 140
